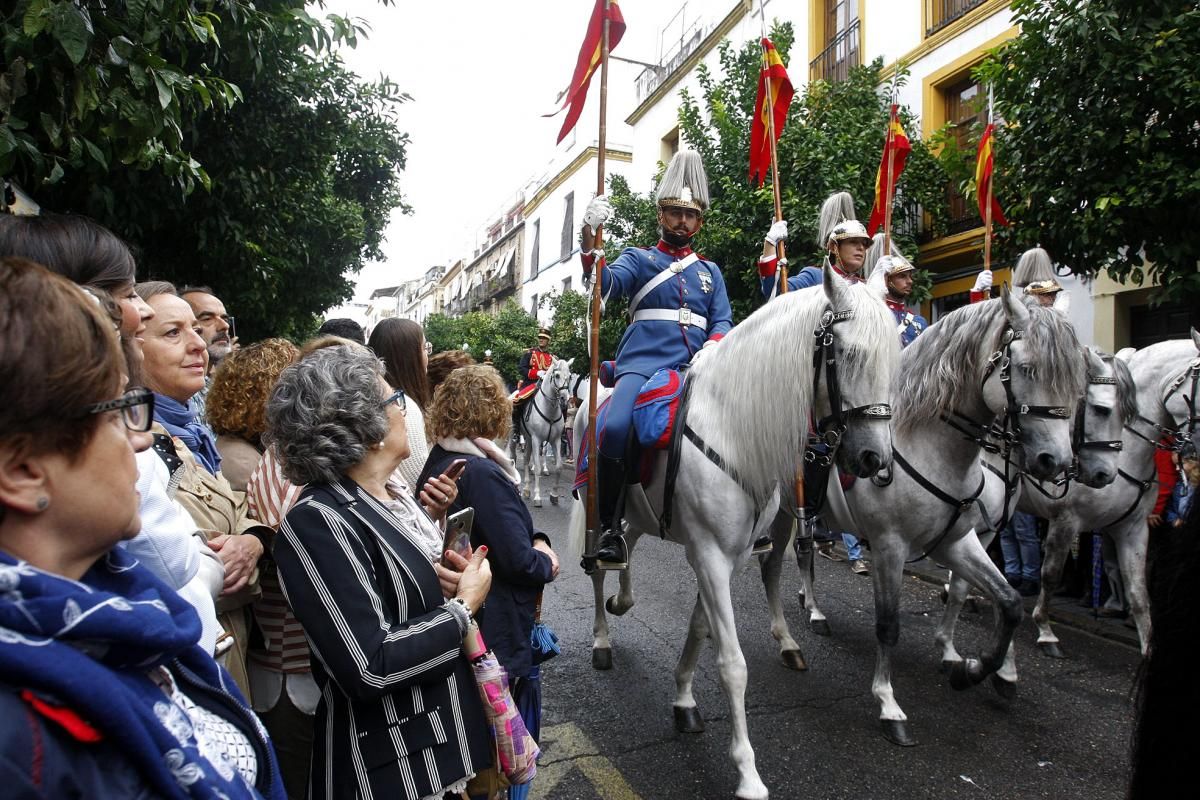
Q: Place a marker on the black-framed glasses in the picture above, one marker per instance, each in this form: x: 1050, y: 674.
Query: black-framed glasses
x: 398, y: 398
x: 136, y: 407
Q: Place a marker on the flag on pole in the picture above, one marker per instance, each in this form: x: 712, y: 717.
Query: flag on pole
x: 983, y: 178
x: 589, y: 61
x: 781, y: 95
x: 896, y: 148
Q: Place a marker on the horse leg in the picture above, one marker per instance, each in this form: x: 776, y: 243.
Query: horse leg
x: 808, y: 595
x: 887, y: 573
x: 1131, y: 556
x: 713, y: 573
x: 1054, y: 555
x: 687, y: 716
x: 558, y: 458
x: 771, y: 566
x: 967, y: 558
x: 601, y: 645
x: 537, y: 459
x: 956, y: 596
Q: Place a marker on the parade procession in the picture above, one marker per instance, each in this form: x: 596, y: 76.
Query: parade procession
x: 854, y: 344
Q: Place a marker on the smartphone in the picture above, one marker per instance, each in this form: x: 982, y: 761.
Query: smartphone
x: 455, y: 469
x: 232, y: 328
x: 458, y: 533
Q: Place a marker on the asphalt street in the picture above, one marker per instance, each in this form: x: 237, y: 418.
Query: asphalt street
x: 816, y: 734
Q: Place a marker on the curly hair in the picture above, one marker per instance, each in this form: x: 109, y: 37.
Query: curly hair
x: 237, y: 401
x: 325, y: 412
x: 443, y: 363
x: 470, y: 402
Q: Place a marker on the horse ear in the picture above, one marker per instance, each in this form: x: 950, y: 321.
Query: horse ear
x: 1014, y: 309
x: 833, y: 284
x: 570, y: 361
x: 1196, y: 338
x: 1094, y: 362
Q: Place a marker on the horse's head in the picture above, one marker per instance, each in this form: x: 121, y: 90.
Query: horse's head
x: 1107, y: 404
x: 857, y: 350
x: 1032, y: 379
x: 558, y: 378
x: 1179, y: 397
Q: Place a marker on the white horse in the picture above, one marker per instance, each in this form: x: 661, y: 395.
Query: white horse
x: 1108, y: 404
x: 738, y: 445
x: 1166, y: 375
x: 542, y: 421
x: 994, y: 361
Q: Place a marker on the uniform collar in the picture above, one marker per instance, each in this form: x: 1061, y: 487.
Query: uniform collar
x: 671, y: 251
x: 895, y: 305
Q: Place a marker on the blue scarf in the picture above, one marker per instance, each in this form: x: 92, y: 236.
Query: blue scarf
x: 91, y: 644
x: 181, y: 421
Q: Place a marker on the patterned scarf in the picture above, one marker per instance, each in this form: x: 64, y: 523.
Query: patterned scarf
x: 181, y: 421
x: 93, y: 643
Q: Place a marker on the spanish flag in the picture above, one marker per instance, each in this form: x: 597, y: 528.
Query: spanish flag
x: 589, y: 61
x: 773, y: 74
x: 896, y: 148
x: 983, y: 178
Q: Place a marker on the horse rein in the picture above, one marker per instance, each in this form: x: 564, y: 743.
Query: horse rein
x: 1182, y: 434
x: 557, y: 406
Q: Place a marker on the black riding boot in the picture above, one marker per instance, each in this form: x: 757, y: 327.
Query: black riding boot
x: 611, y: 553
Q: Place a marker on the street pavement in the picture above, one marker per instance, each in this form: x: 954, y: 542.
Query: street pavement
x: 816, y: 734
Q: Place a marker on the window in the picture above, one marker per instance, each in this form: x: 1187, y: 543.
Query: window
x: 533, y: 306
x: 838, y: 34
x: 940, y: 13
x: 965, y: 111
x: 568, y: 229
x: 535, y: 252
x: 669, y: 146
x: 566, y: 285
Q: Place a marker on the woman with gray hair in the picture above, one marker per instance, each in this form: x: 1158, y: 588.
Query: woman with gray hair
x: 399, y: 713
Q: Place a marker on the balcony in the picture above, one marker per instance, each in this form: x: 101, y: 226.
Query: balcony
x: 653, y: 77
x: 842, y: 55
x: 940, y: 13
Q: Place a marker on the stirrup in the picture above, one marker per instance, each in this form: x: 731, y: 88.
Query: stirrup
x: 613, y: 553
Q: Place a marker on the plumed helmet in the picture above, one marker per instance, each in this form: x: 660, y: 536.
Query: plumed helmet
x: 684, y: 184
x: 836, y: 209
x: 896, y: 265
x: 544, y: 333
x: 1034, y: 266
x: 846, y: 230
x: 1049, y: 286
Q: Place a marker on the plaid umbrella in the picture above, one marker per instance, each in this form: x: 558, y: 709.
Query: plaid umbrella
x: 527, y: 693
x: 516, y: 749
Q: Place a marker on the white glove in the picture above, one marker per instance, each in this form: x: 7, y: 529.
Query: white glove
x: 597, y: 212
x: 777, y: 233
x: 983, y: 282
x: 884, y: 264
x: 697, y: 357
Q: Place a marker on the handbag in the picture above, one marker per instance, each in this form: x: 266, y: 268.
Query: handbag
x: 516, y: 750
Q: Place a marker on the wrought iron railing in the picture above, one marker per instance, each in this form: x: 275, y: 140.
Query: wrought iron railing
x: 652, y: 77
x: 842, y: 55
x: 940, y: 13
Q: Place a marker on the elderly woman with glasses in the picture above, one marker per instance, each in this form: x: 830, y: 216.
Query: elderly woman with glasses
x: 103, y: 690
x: 357, y: 555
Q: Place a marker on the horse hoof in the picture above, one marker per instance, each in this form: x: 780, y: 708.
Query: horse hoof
x: 948, y: 666
x: 794, y: 659
x: 820, y: 627
x: 896, y: 732
x: 1006, y: 689
x: 537, y: 503
x: 610, y: 605
x: 601, y: 658
x: 553, y: 499
x: 964, y: 674
x: 971, y: 606
x: 800, y: 597
x: 1051, y: 650
x: 945, y: 597
x: 688, y: 719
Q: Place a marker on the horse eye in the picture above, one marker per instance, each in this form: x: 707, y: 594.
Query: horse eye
x: 1104, y: 412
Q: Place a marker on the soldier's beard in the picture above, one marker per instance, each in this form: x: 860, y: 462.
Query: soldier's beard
x: 897, y: 296
x: 676, y: 240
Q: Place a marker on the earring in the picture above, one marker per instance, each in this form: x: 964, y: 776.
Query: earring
x: 379, y: 446
x: 43, y: 503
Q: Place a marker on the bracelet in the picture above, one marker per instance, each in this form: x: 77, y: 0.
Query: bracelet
x: 461, y: 612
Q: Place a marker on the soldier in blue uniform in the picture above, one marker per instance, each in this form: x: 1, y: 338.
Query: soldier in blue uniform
x: 677, y: 306
x: 843, y: 238
x: 898, y: 275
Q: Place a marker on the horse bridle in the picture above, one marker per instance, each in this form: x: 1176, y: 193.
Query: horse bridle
x: 1079, y: 441
x: 1182, y: 434
x: 829, y: 430
x: 557, y: 406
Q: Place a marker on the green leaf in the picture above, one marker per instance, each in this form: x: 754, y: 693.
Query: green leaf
x: 165, y: 95
x: 72, y: 29
x: 95, y: 153
x: 56, y: 174
x: 36, y: 19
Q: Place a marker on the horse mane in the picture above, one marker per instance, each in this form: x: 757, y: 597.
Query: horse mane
x: 758, y: 381
x: 1126, y: 388
x: 945, y: 363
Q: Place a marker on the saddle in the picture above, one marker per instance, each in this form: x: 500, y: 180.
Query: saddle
x: 524, y: 393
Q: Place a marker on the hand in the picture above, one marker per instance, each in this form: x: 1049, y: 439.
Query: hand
x: 697, y: 358
x: 598, y: 212
x: 1154, y: 520
x: 884, y: 265
x: 450, y: 570
x: 438, y: 495
x: 475, y: 580
x: 239, y: 555
x: 778, y: 232
x: 983, y: 282
x: 233, y: 344
x: 543, y: 547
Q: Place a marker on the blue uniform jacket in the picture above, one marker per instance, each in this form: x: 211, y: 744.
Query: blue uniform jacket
x: 651, y: 345
x: 908, y: 324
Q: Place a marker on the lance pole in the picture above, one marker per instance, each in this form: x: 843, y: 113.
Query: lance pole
x: 889, y: 185
x: 769, y: 108
x: 987, y: 207
x: 590, y: 447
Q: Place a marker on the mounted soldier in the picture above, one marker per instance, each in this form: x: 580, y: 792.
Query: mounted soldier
x: 839, y: 234
x: 678, y: 306
x: 529, y: 368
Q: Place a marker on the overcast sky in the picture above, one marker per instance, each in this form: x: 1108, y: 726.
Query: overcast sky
x: 481, y: 74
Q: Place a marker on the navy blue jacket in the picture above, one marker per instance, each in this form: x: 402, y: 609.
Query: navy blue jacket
x: 503, y: 523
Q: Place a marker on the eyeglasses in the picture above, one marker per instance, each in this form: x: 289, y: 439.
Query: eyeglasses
x: 397, y: 397
x: 136, y: 407
x: 429, y: 348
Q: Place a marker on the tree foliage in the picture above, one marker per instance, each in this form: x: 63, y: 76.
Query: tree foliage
x: 507, y: 335
x: 832, y: 141
x: 569, y: 330
x: 224, y: 139
x: 1101, y: 144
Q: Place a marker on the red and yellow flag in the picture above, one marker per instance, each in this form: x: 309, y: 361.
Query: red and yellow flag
x: 775, y: 73
x: 896, y: 148
x: 589, y: 61
x: 983, y: 178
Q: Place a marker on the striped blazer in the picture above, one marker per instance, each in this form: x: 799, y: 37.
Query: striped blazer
x: 400, y: 716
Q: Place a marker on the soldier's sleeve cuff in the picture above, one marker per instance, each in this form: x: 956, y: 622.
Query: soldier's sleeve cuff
x: 716, y: 337
x: 588, y: 261
x: 767, y: 266
x: 979, y: 297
